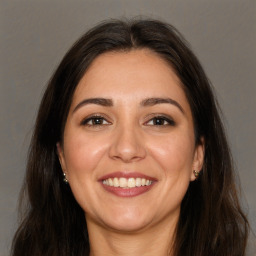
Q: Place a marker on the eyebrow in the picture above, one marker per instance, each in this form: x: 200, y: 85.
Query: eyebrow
x: 154, y: 101
x: 145, y: 103
x: 98, y: 101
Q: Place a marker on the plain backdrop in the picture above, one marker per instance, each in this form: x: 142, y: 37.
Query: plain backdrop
x: 36, y: 34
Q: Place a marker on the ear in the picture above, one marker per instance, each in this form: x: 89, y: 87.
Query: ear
x: 61, y: 157
x: 198, y: 158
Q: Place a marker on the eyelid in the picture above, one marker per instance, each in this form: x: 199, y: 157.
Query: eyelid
x: 165, y: 117
x: 93, y: 116
x: 149, y: 118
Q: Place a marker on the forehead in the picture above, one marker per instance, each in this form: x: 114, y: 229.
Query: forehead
x: 136, y: 74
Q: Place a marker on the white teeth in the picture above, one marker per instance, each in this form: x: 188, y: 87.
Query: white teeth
x: 115, y: 182
x: 123, y: 182
x: 138, y: 182
x: 110, y: 182
x: 131, y: 183
x: 127, y: 183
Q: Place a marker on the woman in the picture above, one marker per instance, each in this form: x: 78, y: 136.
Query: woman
x: 129, y: 155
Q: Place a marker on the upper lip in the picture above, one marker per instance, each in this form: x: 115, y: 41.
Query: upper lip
x: 126, y: 175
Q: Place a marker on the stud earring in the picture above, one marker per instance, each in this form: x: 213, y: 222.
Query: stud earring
x: 65, y: 178
x: 196, y: 173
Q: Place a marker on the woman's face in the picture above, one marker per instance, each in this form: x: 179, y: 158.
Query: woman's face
x: 129, y: 148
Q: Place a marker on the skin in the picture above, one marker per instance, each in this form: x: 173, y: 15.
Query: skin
x: 128, y: 139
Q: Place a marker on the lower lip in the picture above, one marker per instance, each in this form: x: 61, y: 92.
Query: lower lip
x: 127, y: 192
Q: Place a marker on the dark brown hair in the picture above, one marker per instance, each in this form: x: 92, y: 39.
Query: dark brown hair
x: 211, y: 221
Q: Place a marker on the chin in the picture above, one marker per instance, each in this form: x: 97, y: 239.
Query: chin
x: 128, y: 221
x: 127, y: 226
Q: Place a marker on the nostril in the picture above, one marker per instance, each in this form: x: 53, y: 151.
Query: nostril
x: 127, y: 149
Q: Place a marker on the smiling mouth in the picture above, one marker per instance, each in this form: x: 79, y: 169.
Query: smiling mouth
x: 127, y: 182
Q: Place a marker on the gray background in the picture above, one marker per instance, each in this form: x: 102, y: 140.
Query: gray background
x: 36, y: 34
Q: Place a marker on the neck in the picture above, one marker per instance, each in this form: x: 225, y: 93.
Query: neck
x: 156, y: 240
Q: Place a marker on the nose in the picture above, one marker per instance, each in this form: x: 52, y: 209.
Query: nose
x: 127, y: 145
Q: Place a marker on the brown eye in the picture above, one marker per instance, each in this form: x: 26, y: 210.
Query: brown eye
x: 160, y: 121
x: 95, y: 121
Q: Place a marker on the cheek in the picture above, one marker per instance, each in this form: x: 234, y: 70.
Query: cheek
x: 83, y: 153
x: 174, y: 154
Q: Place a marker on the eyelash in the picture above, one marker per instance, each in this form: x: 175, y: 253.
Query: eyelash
x: 89, y: 121
x: 164, y: 121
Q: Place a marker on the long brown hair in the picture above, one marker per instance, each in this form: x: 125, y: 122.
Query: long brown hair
x: 211, y: 220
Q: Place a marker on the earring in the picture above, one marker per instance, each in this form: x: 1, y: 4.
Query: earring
x: 196, y: 173
x: 65, y: 178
